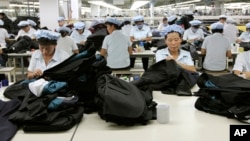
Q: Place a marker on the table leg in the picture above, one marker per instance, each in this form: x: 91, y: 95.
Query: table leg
x: 22, y: 65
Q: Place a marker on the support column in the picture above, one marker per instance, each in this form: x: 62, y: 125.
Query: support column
x: 49, y: 13
x: 219, y: 7
x: 76, y: 9
x: 95, y: 10
x: 152, y: 12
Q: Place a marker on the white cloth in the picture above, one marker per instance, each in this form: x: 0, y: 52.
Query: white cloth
x: 37, y: 86
x: 37, y: 61
x: 80, y: 37
x: 190, y: 35
x: 117, y: 45
x: 30, y: 33
x: 67, y: 44
x: 216, y: 47
x: 139, y: 34
x: 184, y: 56
x: 242, y: 62
x: 230, y: 31
x: 3, y: 36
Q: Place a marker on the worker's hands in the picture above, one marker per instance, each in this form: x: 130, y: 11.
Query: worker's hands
x: 37, y: 73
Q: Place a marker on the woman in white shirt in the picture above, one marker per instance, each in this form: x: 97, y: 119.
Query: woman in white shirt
x: 173, y: 38
x: 48, y: 54
x: 25, y: 30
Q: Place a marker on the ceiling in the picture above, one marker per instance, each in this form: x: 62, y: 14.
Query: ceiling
x: 127, y: 3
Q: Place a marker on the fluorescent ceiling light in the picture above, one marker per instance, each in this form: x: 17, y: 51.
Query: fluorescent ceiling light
x: 104, y: 4
x: 23, y: 5
x: 138, y: 4
x: 187, y: 2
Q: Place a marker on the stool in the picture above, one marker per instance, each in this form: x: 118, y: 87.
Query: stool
x: 9, y: 71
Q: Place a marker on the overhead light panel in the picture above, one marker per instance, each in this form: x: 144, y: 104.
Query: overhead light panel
x: 138, y: 4
x: 104, y: 4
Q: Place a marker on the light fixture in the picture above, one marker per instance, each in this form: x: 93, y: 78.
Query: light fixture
x: 187, y: 2
x: 104, y: 4
x: 138, y: 4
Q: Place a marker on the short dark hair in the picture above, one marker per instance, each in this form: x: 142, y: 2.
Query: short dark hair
x: 46, y: 41
x: 173, y: 32
x: 217, y: 30
x: 116, y: 26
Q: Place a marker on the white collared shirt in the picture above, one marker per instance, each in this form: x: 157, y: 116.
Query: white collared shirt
x: 190, y: 35
x: 245, y: 36
x: 30, y: 33
x: 37, y: 61
x: 80, y: 37
x: 242, y: 62
x: 184, y: 56
x: 139, y: 34
x: 3, y: 36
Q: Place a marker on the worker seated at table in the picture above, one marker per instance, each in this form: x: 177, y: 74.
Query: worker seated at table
x: 48, y: 54
x: 242, y: 65
x: 216, y: 49
x: 25, y: 30
x: 140, y: 33
x: 194, y: 35
x: 116, y: 46
x: 173, y: 38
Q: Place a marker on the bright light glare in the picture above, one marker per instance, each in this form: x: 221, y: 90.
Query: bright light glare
x: 104, y: 4
x: 138, y: 4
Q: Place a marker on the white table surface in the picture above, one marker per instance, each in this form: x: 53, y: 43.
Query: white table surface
x: 186, y: 124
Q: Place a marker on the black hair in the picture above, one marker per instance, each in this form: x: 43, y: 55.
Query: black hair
x: 217, y: 30
x: 164, y: 19
x: 64, y: 33
x: 46, y: 41
x: 139, y: 21
x: 173, y: 32
x: 126, y: 22
x: 115, y: 25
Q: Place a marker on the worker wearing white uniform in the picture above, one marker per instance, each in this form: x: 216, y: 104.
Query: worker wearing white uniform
x: 222, y: 19
x: 216, y: 49
x: 194, y: 33
x: 3, y: 35
x: 61, y: 23
x: 173, y: 38
x: 65, y: 42
x: 245, y: 36
x: 140, y: 33
x: 163, y: 25
x: 242, y: 65
x: 25, y: 30
x: 230, y: 31
x: 80, y: 34
x: 116, y: 46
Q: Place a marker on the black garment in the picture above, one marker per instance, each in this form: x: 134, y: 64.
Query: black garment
x: 95, y: 40
x: 7, y: 128
x: 7, y: 23
x: 167, y: 77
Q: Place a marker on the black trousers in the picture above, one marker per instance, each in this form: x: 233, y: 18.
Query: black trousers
x: 144, y: 62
